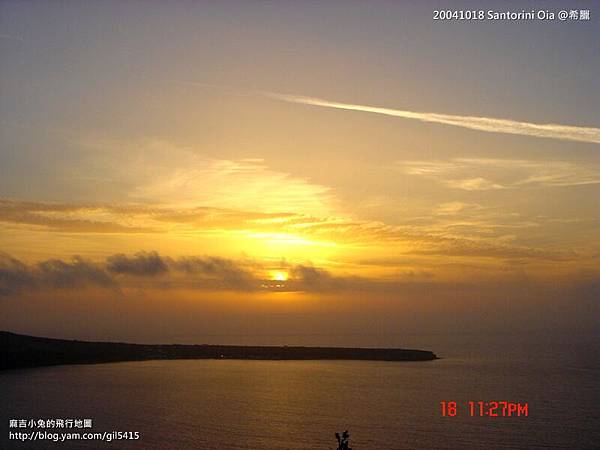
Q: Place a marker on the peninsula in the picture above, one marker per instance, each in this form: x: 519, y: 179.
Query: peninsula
x: 21, y: 351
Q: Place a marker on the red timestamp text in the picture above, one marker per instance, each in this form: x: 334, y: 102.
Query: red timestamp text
x: 491, y: 408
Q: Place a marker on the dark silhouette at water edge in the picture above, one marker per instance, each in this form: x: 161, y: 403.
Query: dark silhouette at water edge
x: 21, y: 351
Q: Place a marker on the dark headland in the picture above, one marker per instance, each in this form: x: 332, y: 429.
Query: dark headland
x: 20, y: 351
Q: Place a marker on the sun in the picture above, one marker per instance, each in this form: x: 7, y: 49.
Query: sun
x: 278, y: 275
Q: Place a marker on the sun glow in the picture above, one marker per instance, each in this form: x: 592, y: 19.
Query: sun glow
x: 278, y: 275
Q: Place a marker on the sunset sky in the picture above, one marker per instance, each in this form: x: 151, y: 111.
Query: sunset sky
x: 176, y: 170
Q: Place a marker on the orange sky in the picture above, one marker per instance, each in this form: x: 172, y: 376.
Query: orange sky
x: 226, y: 177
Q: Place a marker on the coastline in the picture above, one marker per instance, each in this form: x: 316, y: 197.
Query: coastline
x: 22, y: 351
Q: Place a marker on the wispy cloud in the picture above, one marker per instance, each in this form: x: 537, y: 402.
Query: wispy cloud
x: 76, y: 218
x: 159, y: 171
x: 488, y: 124
x: 482, y: 174
x: 454, y: 227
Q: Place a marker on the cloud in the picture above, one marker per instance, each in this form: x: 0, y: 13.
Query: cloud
x: 312, y: 278
x: 16, y: 276
x: 211, y: 274
x: 497, y: 249
x: 482, y: 174
x: 143, y: 264
x: 452, y: 208
x: 120, y: 270
x: 487, y: 124
x: 452, y: 226
x: 222, y: 272
x: 74, y: 218
x: 159, y: 171
x: 474, y: 184
x: 198, y: 272
x: 78, y: 272
x: 131, y: 217
x: 235, y: 184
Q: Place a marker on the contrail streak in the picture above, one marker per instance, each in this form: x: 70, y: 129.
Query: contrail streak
x: 489, y: 124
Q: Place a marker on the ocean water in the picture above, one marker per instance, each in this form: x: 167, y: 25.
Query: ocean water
x: 227, y: 404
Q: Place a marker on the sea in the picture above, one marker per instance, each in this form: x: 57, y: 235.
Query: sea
x: 233, y: 404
